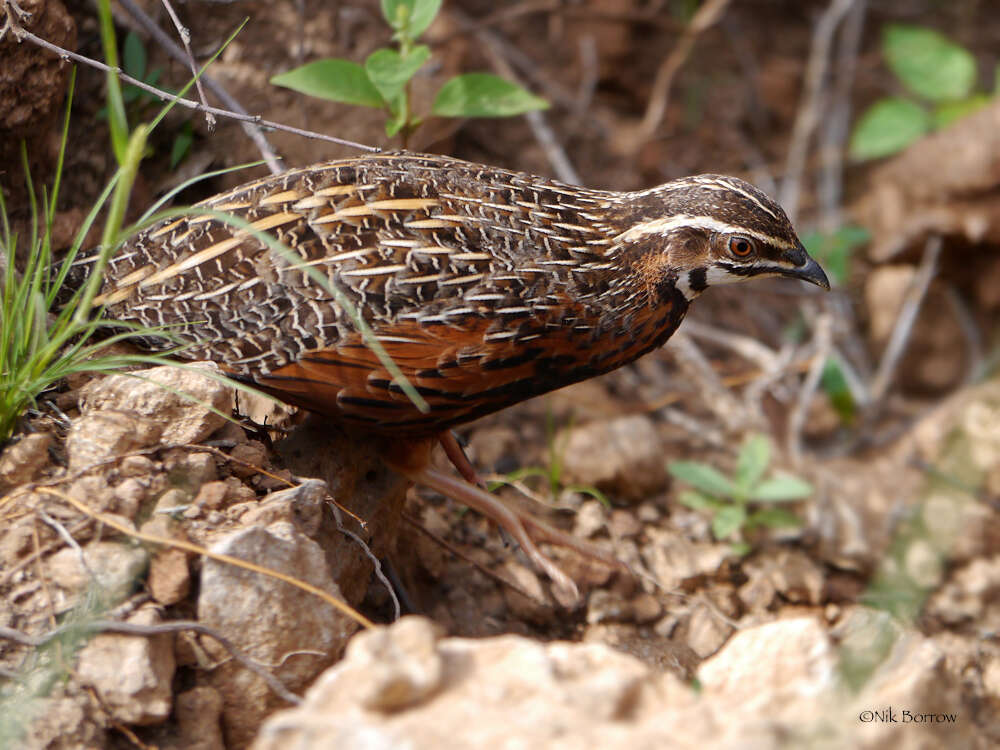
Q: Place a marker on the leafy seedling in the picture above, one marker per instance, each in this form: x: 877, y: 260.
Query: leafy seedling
x: 552, y: 472
x: 383, y: 81
x: 136, y: 100
x: 938, y: 77
x: 732, y: 502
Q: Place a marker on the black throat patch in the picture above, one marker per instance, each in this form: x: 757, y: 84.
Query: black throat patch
x: 698, y: 279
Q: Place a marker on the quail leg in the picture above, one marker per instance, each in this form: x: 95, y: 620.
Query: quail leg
x: 523, y: 527
x: 456, y: 454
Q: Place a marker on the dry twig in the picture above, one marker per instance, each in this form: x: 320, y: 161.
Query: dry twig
x: 907, y: 317
x: 115, y: 524
x: 149, y: 631
x: 188, y: 103
x: 836, y: 123
x: 706, y: 16
x: 812, y: 100
x: 822, y: 344
x: 185, y: 36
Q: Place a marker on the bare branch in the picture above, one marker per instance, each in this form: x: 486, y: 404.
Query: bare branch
x: 823, y: 343
x: 809, y: 112
x: 185, y: 36
x: 836, y: 124
x: 706, y: 16
x: 907, y: 317
x: 164, y: 628
x: 166, y: 96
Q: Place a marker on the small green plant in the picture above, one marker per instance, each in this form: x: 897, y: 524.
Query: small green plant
x: 939, y: 77
x: 552, y: 471
x: 833, y: 250
x: 383, y: 81
x: 732, y: 501
x: 136, y: 101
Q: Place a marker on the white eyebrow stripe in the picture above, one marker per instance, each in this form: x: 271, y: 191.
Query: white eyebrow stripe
x: 712, y: 183
x: 665, y: 226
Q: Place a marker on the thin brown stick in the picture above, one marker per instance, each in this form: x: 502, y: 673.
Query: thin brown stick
x: 554, y: 152
x: 13, y: 18
x: 901, y: 331
x: 705, y: 17
x: 188, y: 103
x: 809, y: 115
x: 148, y: 631
x: 185, y: 35
x: 474, y: 563
x: 822, y: 342
x: 113, y: 523
x: 836, y: 124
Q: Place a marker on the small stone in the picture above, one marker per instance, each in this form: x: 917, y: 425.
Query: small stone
x: 130, y: 493
x: 198, y: 712
x: 93, y: 491
x: 238, y: 492
x: 176, y: 399
x: 777, y: 670
x: 135, y: 466
x: 132, y: 674
x: 169, y: 580
x: 624, y: 524
x: 590, y: 519
x: 251, y: 458
x: 212, y: 496
x: 607, y: 606
x: 191, y: 469
x: 622, y: 456
x: 646, y: 608
x: 396, y: 666
x: 706, y: 631
x: 20, y: 462
x: 114, y: 566
x: 268, y: 619
x: 230, y: 432
x: 99, y: 435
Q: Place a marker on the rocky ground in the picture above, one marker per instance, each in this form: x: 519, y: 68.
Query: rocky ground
x: 133, y: 509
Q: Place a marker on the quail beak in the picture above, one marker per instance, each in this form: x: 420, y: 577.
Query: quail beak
x: 812, y: 273
x: 805, y: 268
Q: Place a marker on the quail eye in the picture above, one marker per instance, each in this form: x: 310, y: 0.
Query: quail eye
x: 741, y: 247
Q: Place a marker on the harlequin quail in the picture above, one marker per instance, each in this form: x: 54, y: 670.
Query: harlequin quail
x: 485, y: 287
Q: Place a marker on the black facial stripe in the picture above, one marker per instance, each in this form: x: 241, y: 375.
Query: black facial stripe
x: 738, y: 270
x: 698, y: 279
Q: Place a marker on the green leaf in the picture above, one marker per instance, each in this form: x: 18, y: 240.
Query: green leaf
x: 947, y: 112
x: 888, y: 126
x: 182, y: 144
x: 389, y: 71
x: 928, y: 63
x: 740, y: 549
x: 775, y: 518
x: 728, y: 520
x: 484, y: 95
x: 415, y: 16
x: 423, y: 14
x: 586, y: 489
x: 697, y: 500
x: 781, y: 489
x: 833, y: 250
x: 134, y: 56
x: 334, y: 79
x: 835, y: 385
x: 754, y: 457
x: 702, y: 477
